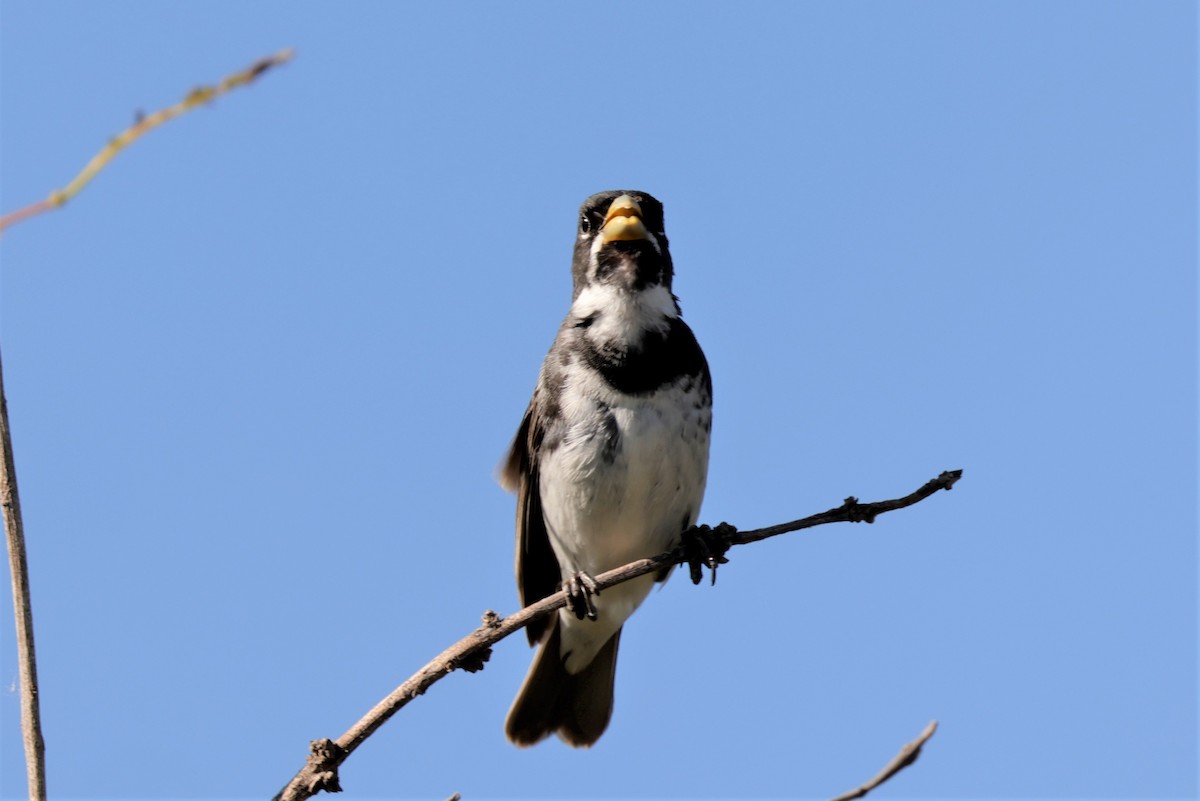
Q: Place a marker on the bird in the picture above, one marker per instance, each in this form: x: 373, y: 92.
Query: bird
x: 609, y: 463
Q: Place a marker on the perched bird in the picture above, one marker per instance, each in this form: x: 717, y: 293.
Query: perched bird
x: 609, y: 463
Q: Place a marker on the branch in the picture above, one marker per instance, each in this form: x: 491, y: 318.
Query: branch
x: 194, y: 99
x: 31, y: 723
x: 471, y: 652
x: 908, y: 755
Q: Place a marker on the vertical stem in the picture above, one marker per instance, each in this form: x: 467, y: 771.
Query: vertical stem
x: 31, y: 725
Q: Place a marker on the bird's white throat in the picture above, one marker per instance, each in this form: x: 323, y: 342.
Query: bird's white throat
x: 620, y: 315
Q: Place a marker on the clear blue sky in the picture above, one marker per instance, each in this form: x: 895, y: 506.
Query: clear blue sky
x: 261, y: 371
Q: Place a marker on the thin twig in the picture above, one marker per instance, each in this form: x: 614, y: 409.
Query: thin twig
x: 195, y: 98
x: 31, y: 721
x: 470, y: 653
x: 908, y: 755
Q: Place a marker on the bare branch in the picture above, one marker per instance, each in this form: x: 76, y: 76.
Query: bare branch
x: 31, y: 722
x: 908, y: 755
x: 852, y: 511
x: 195, y: 98
x: 472, y: 651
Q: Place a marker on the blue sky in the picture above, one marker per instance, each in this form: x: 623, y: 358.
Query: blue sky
x: 260, y: 373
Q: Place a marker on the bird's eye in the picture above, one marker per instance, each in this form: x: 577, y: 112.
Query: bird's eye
x: 585, y: 224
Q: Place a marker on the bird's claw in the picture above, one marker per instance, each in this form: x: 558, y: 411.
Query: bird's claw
x: 580, y: 588
x: 704, y: 545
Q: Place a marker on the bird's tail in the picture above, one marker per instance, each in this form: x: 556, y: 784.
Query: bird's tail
x: 551, y: 701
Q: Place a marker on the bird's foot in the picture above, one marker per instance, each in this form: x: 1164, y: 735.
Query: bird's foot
x: 580, y: 588
x: 704, y: 545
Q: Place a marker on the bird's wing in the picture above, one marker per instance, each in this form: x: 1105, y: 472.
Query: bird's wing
x: 537, y: 568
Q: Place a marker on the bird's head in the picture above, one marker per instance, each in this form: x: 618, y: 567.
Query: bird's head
x: 620, y: 241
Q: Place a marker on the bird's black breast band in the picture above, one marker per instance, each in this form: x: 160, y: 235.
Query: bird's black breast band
x: 661, y: 359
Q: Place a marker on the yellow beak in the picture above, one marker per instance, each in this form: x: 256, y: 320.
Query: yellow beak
x: 623, y: 221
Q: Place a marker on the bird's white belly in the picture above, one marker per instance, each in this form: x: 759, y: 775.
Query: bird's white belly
x: 621, y: 491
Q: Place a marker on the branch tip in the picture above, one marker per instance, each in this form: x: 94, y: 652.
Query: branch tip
x: 908, y: 755
x: 949, y: 478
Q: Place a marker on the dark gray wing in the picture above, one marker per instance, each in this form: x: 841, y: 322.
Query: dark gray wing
x: 538, y: 574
